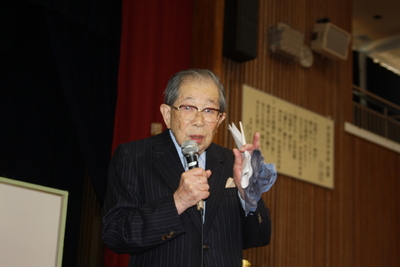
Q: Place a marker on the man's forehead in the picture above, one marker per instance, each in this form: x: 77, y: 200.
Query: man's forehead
x: 206, y: 93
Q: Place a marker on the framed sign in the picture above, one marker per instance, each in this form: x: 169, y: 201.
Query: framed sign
x: 32, y: 224
x: 298, y: 141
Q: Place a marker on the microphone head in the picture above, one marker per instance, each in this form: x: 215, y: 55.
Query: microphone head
x: 190, y: 147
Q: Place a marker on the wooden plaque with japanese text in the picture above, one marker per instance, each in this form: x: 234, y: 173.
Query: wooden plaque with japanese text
x: 299, y: 142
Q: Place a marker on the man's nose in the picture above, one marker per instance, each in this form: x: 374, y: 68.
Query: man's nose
x: 198, y: 118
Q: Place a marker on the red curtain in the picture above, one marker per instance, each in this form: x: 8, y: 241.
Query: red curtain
x: 155, y: 43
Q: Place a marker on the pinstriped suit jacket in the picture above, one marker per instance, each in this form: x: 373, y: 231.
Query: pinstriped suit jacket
x: 140, y: 217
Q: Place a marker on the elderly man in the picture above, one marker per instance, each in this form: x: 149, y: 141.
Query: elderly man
x: 150, y: 207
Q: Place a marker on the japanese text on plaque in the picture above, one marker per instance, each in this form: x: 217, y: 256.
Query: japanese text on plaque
x: 298, y: 141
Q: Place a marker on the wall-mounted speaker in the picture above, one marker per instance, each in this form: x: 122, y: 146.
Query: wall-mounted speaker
x: 330, y: 41
x: 240, y: 30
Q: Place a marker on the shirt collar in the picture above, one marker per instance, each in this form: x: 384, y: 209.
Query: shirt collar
x: 202, y: 156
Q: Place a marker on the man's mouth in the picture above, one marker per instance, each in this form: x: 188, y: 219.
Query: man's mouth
x: 197, y: 138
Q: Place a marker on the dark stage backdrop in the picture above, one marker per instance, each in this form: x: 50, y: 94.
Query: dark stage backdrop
x: 155, y: 43
x: 58, y: 86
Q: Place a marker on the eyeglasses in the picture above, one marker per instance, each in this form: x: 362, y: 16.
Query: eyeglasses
x: 188, y: 113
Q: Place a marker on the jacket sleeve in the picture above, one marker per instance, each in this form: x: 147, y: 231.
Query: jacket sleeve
x: 129, y: 225
x: 257, y: 227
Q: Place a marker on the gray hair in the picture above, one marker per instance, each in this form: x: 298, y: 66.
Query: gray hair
x: 171, y: 92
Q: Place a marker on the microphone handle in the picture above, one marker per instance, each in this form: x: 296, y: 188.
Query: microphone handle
x: 192, y: 160
x: 200, y: 205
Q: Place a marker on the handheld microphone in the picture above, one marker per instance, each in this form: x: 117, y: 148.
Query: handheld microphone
x: 190, y: 150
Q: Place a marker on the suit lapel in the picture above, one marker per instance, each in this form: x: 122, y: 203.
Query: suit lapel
x: 216, y: 181
x: 166, y: 160
x: 168, y: 164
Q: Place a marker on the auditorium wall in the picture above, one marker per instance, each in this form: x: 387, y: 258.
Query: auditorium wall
x: 357, y: 222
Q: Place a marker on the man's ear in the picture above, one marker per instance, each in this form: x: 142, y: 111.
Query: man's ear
x: 166, y: 113
x: 221, y: 118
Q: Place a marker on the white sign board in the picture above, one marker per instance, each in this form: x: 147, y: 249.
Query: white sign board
x: 32, y: 224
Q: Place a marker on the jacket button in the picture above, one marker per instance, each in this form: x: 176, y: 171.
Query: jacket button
x: 168, y: 236
x: 206, y: 247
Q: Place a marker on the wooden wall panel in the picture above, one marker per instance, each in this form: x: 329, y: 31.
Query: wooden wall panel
x: 376, y: 198
x: 358, y: 222
x: 207, y: 34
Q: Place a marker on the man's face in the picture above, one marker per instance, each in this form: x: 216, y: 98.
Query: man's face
x: 201, y: 94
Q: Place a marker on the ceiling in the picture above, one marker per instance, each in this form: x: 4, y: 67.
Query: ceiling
x: 376, y: 31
